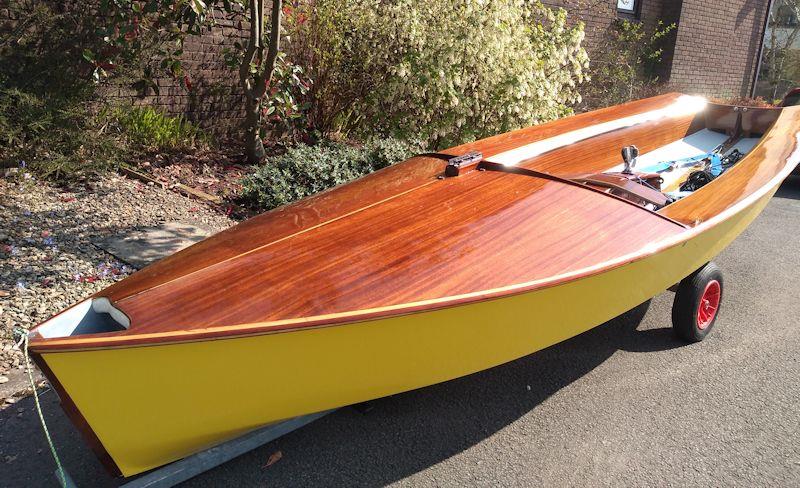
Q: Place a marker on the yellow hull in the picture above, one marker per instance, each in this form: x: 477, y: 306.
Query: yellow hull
x: 151, y: 405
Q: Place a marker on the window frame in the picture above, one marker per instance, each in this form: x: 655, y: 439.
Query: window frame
x: 632, y: 13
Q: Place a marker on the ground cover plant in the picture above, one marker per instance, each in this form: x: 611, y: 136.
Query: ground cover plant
x: 307, y: 169
x: 155, y: 131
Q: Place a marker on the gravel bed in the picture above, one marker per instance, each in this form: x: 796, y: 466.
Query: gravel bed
x: 47, y: 259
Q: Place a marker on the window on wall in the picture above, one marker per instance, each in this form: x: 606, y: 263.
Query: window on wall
x: 628, y: 6
x: 786, y: 16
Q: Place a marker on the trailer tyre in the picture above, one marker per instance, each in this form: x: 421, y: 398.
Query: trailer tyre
x: 697, y: 302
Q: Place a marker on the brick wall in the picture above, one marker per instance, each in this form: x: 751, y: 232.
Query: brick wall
x: 717, y: 46
x: 713, y: 52
x: 598, y: 16
x: 215, y: 99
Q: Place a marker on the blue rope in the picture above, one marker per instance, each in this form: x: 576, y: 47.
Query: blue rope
x: 715, y: 167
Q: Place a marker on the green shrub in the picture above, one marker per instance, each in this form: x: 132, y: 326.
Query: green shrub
x: 154, y: 130
x: 55, y: 137
x: 51, y: 121
x: 47, y: 122
x: 627, y: 69
x: 304, y: 170
x: 443, y: 71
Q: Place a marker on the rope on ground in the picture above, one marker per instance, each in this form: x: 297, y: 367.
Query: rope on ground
x: 61, y: 474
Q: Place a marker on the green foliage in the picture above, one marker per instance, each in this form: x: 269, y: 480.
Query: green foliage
x: 780, y: 68
x: 444, y: 71
x: 153, y: 130
x: 62, y: 44
x: 93, y: 40
x: 55, y: 137
x: 42, y: 52
x: 47, y: 124
x: 627, y: 68
x: 49, y: 119
x: 304, y: 170
x: 285, y: 107
x: 134, y: 34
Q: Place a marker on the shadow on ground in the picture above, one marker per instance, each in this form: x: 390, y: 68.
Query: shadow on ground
x: 790, y: 188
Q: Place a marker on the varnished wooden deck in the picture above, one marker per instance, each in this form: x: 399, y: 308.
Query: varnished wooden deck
x: 402, y: 240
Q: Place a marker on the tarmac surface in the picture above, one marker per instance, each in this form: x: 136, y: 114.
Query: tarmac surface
x: 625, y: 404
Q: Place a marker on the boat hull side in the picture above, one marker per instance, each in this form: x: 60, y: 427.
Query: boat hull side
x: 150, y: 405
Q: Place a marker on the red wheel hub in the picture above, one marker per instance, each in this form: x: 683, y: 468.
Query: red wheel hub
x: 709, y: 304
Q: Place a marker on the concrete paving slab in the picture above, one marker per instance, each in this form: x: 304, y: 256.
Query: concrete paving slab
x: 148, y: 245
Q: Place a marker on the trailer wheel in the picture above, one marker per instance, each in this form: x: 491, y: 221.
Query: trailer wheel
x: 697, y: 302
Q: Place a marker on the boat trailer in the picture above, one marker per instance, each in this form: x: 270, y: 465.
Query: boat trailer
x: 198, y: 463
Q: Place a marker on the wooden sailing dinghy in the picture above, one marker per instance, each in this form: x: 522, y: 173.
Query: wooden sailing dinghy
x: 434, y: 268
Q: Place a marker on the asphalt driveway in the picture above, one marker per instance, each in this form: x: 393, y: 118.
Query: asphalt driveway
x: 624, y: 404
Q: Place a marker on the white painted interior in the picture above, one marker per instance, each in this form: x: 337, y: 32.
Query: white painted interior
x: 89, y: 312
x: 701, y: 142
x: 103, y: 305
x: 698, y: 144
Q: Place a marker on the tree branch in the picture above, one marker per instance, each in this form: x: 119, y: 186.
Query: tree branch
x: 252, y: 45
x: 265, y: 75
